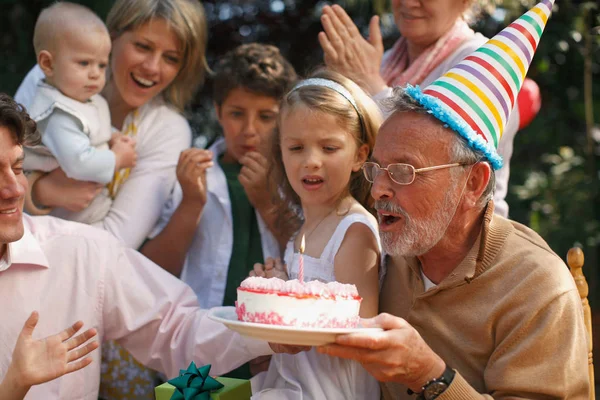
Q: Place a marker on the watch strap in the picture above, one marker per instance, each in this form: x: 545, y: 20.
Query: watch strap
x: 446, y: 378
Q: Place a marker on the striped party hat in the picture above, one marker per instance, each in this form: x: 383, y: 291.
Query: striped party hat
x: 476, y: 96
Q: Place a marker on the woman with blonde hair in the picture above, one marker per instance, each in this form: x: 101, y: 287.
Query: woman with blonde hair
x: 157, y: 65
x: 435, y: 36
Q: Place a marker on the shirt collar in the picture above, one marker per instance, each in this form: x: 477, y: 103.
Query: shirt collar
x: 5, y: 260
x: 26, y: 250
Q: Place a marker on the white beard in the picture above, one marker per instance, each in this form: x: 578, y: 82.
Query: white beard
x: 418, y: 235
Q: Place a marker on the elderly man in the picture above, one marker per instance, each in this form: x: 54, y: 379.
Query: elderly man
x: 480, y: 303
x: 70, y: 272
x: 482, y: 307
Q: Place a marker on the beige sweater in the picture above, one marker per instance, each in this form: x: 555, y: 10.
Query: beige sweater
x: 508, y: 319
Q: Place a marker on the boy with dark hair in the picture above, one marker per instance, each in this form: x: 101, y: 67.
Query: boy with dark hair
x: 256, y: 67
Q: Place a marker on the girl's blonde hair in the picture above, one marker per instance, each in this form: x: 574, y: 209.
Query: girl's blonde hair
x: 187, y: 20
x: 363, y: 124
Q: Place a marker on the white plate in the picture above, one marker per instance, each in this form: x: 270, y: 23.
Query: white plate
x: 281, y: 334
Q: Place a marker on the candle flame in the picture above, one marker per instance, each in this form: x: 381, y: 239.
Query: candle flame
x: 302, y: 245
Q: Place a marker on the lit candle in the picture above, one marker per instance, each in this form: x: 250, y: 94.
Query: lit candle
x: 301, y: 261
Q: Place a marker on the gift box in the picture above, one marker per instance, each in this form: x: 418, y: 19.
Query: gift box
x: 195, y: 384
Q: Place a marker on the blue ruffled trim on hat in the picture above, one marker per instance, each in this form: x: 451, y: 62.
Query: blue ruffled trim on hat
x: 441, y: 111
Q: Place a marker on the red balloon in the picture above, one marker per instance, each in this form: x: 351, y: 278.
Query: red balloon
x: 529, y: 102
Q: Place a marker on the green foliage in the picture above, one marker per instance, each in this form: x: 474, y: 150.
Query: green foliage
x: 554, y: 184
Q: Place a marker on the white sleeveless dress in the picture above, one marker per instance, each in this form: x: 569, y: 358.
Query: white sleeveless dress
x: 310, y: 375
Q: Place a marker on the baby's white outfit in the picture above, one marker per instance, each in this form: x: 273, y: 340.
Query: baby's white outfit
x: 75, y: 136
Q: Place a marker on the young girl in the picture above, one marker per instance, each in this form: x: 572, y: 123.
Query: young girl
x: 326, y: 132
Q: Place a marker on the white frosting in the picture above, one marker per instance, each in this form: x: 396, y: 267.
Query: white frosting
x: 283, y: 309
x: 333, y: 290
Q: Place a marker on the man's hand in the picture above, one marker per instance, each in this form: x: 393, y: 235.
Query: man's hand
x: 272, y: 268
x: 38, y: 361
x: 347, y: 52
x: 397, y: 354
x: 253, y: 177
x: 191, y: 174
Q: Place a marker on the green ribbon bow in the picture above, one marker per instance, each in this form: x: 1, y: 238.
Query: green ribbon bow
x: 194, y: 384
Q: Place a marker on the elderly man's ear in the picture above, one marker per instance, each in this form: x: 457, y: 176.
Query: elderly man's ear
x: 478, y: 181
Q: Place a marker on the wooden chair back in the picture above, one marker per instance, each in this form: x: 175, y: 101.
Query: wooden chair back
x: 575, y: 261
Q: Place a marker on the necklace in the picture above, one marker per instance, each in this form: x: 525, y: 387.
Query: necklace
x: 307, y: 235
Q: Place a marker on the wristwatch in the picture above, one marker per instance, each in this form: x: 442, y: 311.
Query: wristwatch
x: 432, y: 389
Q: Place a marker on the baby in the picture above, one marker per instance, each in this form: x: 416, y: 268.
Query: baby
x: 72, y: 46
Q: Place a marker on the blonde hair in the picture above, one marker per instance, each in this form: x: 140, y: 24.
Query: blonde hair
x: 187, y: 20
x: 62, y: 18
x: 363, y: 124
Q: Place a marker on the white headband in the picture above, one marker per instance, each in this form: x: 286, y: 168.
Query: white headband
x: 336, y: 87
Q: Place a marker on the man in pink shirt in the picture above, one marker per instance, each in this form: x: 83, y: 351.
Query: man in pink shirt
x: 69, y: 272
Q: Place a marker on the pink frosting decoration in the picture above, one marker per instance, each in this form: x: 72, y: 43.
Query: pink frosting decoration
x: 273, y: 318
x: 294, y: 287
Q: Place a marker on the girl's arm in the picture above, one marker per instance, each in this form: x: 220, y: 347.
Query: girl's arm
x: 357, y: 262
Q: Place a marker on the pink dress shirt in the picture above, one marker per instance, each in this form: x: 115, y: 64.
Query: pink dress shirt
x: 69, y: 271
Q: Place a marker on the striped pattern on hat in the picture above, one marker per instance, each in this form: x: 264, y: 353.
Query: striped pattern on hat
x: 476, y: 96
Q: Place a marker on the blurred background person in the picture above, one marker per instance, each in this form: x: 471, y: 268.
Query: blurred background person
x: 435, y: 36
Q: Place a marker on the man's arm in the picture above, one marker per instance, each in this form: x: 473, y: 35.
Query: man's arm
x: 539, y: 357
x: 156, y: 317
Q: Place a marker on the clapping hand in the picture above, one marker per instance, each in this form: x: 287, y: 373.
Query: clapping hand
x: 38, y: 361
x: 272, y: 268
x: 346, y: 51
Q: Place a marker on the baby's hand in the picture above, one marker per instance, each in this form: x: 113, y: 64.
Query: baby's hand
x: 114, y: 137
x: 38, y: 361
x: 124, y: 149
x: 273, y: 268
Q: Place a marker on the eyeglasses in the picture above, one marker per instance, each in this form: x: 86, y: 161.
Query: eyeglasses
x: 402, y: 174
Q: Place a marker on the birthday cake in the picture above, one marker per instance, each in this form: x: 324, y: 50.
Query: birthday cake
x: 312, y: 304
